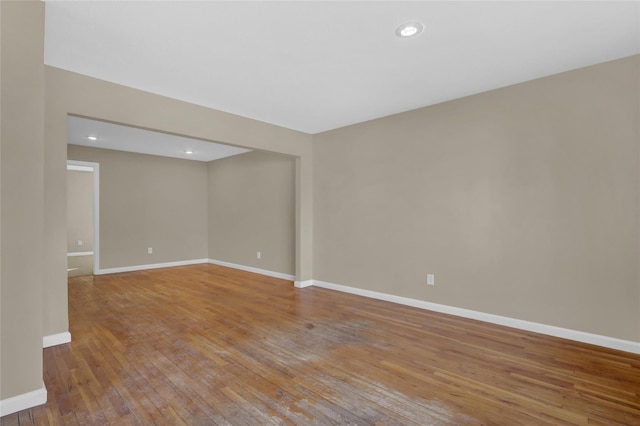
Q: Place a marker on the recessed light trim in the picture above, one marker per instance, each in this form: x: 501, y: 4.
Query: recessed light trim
x: 92, y: 138
x: 188, y: 151
x: 410, y: 29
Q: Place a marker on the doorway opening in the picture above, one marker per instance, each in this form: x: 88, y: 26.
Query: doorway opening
x: 83, y: 230
x: 159, y: 209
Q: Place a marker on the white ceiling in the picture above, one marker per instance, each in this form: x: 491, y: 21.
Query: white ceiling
x: 125, y: 138
x: 315, y: 66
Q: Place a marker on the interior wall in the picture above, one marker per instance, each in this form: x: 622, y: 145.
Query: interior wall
x: 148, y: 201
x: 522, y: 201
x: 72, y: 93
x: 21, y: 196
x: 79, y: 211
x: 252, y: 208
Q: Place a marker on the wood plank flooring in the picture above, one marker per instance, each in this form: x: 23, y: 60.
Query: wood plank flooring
x: 207, y: 345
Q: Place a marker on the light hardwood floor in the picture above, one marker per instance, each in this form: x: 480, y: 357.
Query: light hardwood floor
x: 206, y: 345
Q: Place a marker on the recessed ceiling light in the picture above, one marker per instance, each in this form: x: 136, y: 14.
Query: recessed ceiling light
x: 92, y: 138
x: 409, y: 29
x: 188, y: 151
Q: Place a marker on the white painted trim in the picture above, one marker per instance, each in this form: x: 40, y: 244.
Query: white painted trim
x: 150, y: 266
x: 56, y: 339
x: 565, y: 333
x: 78, y: 168
x: 80, y: 253
x: 303, y: 284
x: 96, y: 217
x: 252, y: 269
x: 23, y: 401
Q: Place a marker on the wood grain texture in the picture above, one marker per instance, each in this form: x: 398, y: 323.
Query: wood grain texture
x: 208, y: 345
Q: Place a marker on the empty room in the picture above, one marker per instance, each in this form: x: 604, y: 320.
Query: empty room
x: 420, y: 213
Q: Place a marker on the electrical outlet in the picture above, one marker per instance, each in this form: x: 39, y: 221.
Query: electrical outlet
x: 258, y: 255
x: 431, y: 279
x: 79, y: 242
x: 150, y: 250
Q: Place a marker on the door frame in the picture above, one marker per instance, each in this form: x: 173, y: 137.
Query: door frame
x: 95, y: 168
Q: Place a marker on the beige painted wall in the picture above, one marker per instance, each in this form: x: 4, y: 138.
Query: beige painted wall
x: 252, y: 208
x: 522, y: 201
x: 22, y: 195
x: 71, y: 93
x: 148, y: 201
x: 79, y: 211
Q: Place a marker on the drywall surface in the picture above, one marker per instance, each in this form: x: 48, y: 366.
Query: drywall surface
x: 148, y: 201
x: 252, y: 209
x: 22, y: 197
x: 522, y: 201
x: 79, y: 211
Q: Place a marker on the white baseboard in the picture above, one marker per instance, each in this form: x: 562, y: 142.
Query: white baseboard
x: 56, y: 339
x: 81, y: 253
x: 23, y: 401
x: 565, y: 333
x: 150, y: 266
x: 303, y: 284
x: 252, y: 269
x: 195, y: 262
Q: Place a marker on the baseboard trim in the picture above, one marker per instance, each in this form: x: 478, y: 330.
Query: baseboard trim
x: 196, y: 262
x: 303, y: 284
x: 23, y: 401
x: 150, y: 266
x: 80, y: 253
x: 56, y: 339
x: 565, y: 333
x: 252, y: 269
